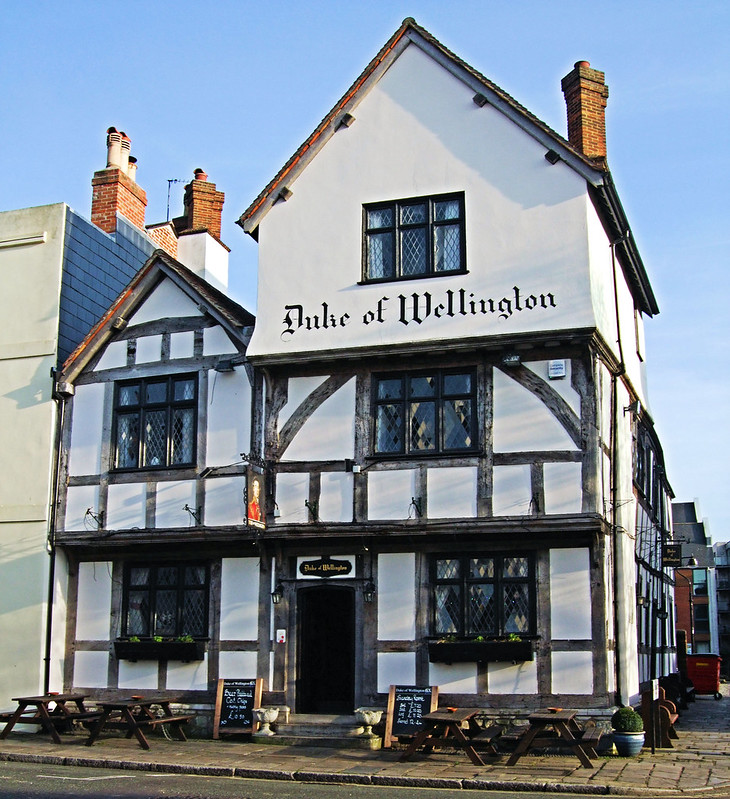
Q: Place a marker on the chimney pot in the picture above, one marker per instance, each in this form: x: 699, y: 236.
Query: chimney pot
x: 200, y: 174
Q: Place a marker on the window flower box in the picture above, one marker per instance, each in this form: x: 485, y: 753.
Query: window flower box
x: 479, y: 651
x: 149, y: 649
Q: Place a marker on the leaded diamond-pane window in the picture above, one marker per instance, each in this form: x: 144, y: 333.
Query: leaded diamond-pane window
x: 166, y: 599
x: 414, y: 238
x: 425, y: 413
x: 491, y: 596
x: 155, y: 423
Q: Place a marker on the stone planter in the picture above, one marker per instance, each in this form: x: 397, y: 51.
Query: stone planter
x: 479, y: 651
x: 160, y: 650
x: 368, y: 717
x: 265, y: 717
x: 628, y: 744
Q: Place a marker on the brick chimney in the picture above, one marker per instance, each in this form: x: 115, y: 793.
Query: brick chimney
x: 203, y: 205
x: 586, y: 95
x: 114, y: 190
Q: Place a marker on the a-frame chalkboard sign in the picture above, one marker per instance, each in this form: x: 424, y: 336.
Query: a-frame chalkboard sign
x: 234, y: 704
x: 406, y: 705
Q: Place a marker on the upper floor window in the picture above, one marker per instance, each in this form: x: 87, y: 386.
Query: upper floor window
x: 414, y: 238
x: 155, y: 422
x: 490, y: 595
x: 425, y: 412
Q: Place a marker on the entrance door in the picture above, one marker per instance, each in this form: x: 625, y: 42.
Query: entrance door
x: 326, y: 678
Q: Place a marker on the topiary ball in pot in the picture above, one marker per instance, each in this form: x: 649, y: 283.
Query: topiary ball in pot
x: 628, y: 735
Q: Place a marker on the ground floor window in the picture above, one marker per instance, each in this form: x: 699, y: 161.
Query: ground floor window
x: 169, y: 600
x: 489, y: 595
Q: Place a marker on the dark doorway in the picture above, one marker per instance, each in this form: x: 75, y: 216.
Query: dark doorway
x: 326, y: 679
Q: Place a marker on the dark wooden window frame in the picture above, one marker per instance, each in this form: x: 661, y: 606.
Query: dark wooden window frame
x: 430, y: 226
x: 142, y: 408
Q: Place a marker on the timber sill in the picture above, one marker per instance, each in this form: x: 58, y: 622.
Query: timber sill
x: 185, y: 651
x: 480, y: 651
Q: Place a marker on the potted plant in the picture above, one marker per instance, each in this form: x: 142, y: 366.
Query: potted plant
x: 184, y: 648
x: 510, y: 649
x: 628, y: 731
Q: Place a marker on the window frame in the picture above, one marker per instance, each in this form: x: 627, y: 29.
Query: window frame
x: 439, y: 398
x: 142, y: 408
x: 430, y: 225
x: 464, y: 580
x: 155, y: 587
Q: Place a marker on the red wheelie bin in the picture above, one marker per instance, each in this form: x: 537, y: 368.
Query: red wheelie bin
x: 704, y: 671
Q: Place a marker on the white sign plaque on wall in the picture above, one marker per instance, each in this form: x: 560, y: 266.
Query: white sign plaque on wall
x: 556, y: 370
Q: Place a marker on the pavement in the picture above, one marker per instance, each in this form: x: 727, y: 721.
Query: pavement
x: 698, y: 765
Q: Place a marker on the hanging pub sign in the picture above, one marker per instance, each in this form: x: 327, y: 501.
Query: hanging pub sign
x: 325, y: 567
x: 671, y: 556
x: 255, y: 499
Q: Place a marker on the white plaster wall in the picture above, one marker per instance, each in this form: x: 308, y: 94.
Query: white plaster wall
x: 229, y: 416
x: 78, y: 500
x: 114, y: 356
x: 58, y: 624
x: 149, y: 349
x: 181, y: 344
x: 94, y: 601
x: 125, y: 507
x: 572, y: 673
x: 217, y: 342
x: 224, y: 501
x: 171, y: 498
x: 239, y: 599
x: 241, y: 665
x: 522, y: 422
x: 91, y: 669
x: 452, y: 492
x: 512, y: 492
x: 563, y: 489
x: 336, y: 497
x: 187, y: 676
x: 142, y: 675
x: 390, y: 492
x: 561, y: 385
x: 570, y: 594
x: 418, y: 132
x: 457, y: 678
x: 512, y: 678
x: 397, y: 597
x: 395, y: 668
x: 205, y: 256
x: 329, y: 433
x: 291, y: 491
x: 167, y: 301
x: 86, y: 432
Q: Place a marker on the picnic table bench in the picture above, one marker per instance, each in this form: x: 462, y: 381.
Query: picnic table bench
x: 135, y: 714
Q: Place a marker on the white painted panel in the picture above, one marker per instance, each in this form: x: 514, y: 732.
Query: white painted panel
x: 390, y: 492
x: 149, y: 349
x: 224, y: 501
x: 335, y: 499
x: 298, y: 389
x: 141, y: 675
x: 88, y: 418
x: 229, y: 416
x: 291, y: 491
x: 94, y: 601
x: 572, y: 673
x: 125, y: 506
x: 522, y: 422
x: 206, y: 257
x: 78, y: 500
x: 512, y: 490
x: 395, y: 668
x: 512, y: 678
x: 91, y: 669
x: 187, y: 676
x: 237, y: 665
x: 562, y: 385
x: 329, y: 433
x: 217, y: 342
x: 181, y: 344
x: 457, y: 678
x: 397, y: 597
x: 452, y: 492
x: 171, y: 499
x: 166, y: 302
x: 239, y: 599
x: 563, y: 490
x: 570, y: 594
x: 114, y: 357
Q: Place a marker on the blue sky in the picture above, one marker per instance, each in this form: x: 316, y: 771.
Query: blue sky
x: 235, y: 87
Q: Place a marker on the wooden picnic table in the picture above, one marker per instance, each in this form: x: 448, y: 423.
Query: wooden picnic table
x: 135, y: 714
x: 569, y: 733
x: 66, y: 709
x: 444, y: 728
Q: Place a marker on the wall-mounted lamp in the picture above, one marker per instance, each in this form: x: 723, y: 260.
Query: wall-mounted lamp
x: 368, y: 591
x: 277, y: 594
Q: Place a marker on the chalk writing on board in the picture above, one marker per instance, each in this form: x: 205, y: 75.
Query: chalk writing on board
x: 235, y: 701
